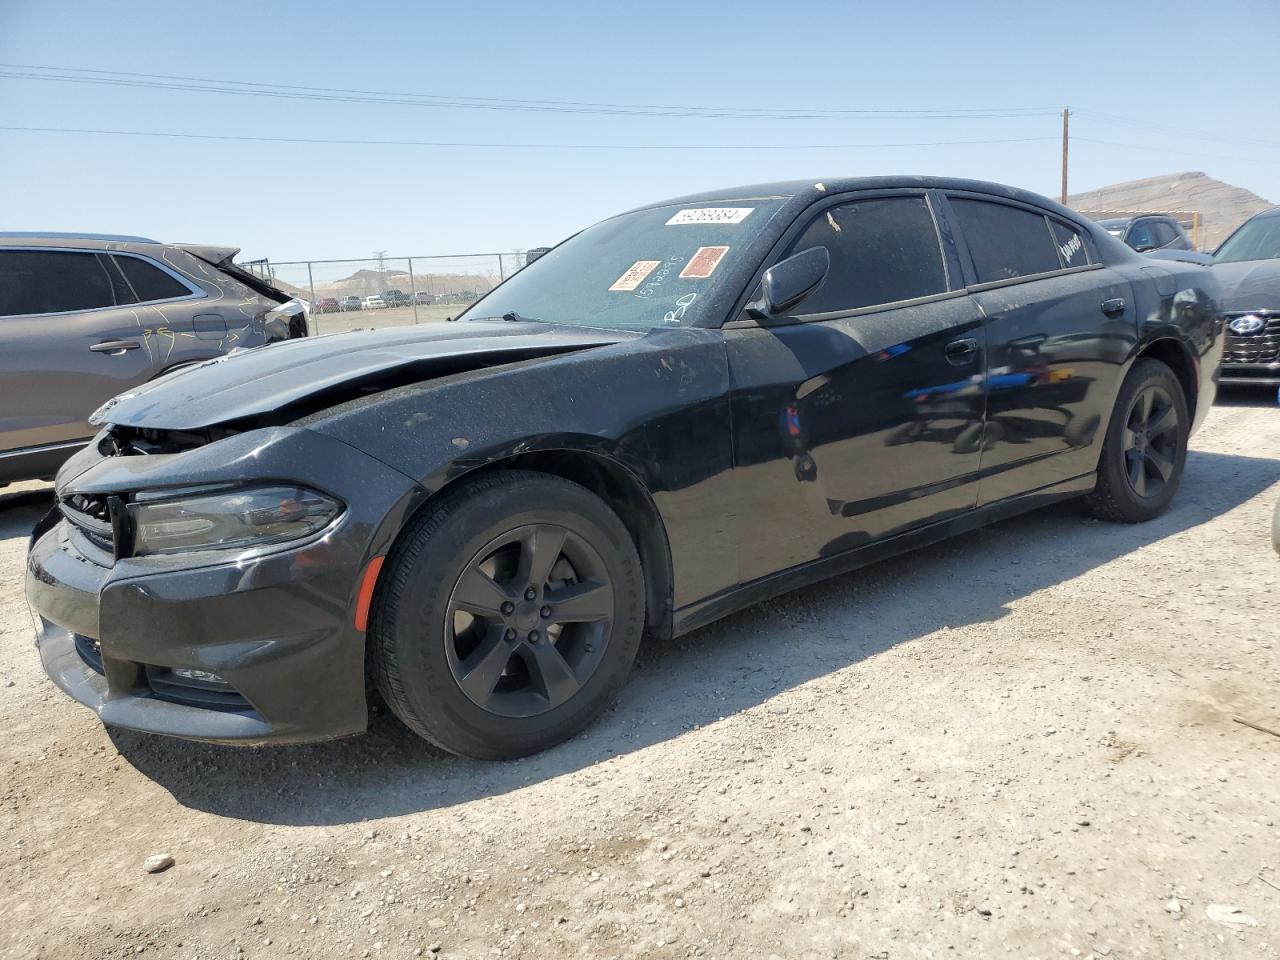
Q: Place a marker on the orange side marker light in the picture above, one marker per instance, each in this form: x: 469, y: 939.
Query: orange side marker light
x: 365, y: 597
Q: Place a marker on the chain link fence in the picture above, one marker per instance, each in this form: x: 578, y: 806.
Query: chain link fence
x: 385, y: 291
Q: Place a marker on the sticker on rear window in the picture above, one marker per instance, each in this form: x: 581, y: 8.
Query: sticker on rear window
x: 703, y: 263
x: 635, y: 275
x: 710, y: 215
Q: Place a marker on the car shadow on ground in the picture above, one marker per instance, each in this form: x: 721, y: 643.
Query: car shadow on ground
x: 735, y: 665
x: 20, y: 509
x: 1246, y: 396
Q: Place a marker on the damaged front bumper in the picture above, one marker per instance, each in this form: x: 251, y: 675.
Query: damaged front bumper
x: 238, y: 647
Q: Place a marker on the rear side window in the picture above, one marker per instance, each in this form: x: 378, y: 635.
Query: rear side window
x: 150, y: 282
x: 1006, y: 242
x: 1070, y: 244
x: 882, y: 251
x: 52, y: 281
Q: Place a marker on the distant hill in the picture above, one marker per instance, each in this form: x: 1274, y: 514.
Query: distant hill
x: 1222, y: 207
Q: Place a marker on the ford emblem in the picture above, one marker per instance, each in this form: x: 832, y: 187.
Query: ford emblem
x: 1246, y: 325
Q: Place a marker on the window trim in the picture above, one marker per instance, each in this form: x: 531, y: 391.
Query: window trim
x: 951, y: 263
x: 197, y: 293
x: 971, y: 270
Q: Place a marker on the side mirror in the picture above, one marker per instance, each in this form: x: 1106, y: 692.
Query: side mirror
x: 789, y: 281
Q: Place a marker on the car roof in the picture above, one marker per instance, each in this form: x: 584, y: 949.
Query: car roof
x: 804, y: 192
x: 46, y: 235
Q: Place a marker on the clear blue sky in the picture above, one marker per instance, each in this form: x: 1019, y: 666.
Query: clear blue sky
x: 1199, y: 66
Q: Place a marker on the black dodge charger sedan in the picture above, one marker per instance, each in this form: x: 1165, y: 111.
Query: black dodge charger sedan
x: 678, y: 412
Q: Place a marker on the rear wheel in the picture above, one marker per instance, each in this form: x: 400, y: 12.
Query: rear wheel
x: 1145, y: 446
x: 509, y: 615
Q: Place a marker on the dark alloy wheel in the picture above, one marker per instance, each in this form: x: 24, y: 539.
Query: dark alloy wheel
x: 507, y: 616
x: 1151, y: 441
x: 1144, y: 448
x: 529, y: 620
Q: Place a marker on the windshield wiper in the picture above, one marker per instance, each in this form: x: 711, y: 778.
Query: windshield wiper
x: 514, y: 317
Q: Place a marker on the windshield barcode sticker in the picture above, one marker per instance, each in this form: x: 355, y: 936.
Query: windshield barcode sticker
x: 710, y: 215
x: 634, y: 276
x: 703, y: 263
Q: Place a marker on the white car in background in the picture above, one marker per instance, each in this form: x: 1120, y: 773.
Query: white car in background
x: 373, y: 303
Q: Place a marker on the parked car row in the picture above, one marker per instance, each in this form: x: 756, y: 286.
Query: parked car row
x: 390, y: 298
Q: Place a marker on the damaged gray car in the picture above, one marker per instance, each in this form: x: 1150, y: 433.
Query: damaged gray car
x: 84, y: 317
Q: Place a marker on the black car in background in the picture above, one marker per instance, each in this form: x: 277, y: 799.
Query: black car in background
x: 682, y: 410
x: 1148, y: 232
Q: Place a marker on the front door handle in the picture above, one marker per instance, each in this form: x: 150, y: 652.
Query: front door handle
x: 115, y: 346
x: 961, y: 352
x: 1113, y: 306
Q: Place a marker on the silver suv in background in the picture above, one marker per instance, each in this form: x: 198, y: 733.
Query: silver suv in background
x: 86, y: 317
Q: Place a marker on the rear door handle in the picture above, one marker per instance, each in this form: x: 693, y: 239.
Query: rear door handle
x: 115, y: 346
x: 961, y: 352
x: 1113, y: 306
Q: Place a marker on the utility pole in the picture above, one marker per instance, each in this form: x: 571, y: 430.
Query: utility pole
x: 1065, y: 114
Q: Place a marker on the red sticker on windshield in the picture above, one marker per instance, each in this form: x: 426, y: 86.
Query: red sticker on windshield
x: 703, y: 263
x: 635, y: 275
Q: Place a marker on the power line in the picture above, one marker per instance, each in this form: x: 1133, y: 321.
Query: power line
x: 520, y: 146
x: 1181, y: 153
x: 1150, y: 126
x: 124, y: 78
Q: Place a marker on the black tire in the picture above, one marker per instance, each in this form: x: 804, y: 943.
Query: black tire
x: 1145, y: 447
x: 434, y: 647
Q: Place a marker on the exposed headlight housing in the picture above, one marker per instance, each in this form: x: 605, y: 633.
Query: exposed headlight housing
x: 172, y: 522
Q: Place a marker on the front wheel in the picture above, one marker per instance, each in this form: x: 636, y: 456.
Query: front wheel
x: 509, y: 615
x: 1145, y: 446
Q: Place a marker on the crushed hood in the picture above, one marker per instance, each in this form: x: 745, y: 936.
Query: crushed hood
x: 255, y: 383
x: 1249, y: 285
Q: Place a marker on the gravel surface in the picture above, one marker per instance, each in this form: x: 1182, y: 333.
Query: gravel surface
x: 1019, y: 742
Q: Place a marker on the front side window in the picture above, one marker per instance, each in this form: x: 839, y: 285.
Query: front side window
x: 52, y: 281
x: 150, y: 282
x: 883, y: 250
x: 1005, y: 242
x: 663, y: 266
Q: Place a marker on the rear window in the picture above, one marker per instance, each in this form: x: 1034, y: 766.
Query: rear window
x: 52, y: 281
x: 150, y: 282
x: 1005, y: 242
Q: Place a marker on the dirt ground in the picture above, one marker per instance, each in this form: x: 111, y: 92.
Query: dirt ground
x: 1018, y: 743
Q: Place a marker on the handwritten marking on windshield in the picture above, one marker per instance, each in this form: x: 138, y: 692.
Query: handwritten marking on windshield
x: 654, y: 282
x: 681, y: 308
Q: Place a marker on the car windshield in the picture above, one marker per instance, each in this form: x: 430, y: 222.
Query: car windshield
x: 1258, y: 239
x: 651, y: 268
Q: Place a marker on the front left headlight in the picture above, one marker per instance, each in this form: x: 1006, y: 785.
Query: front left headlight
x: 242, y: 517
